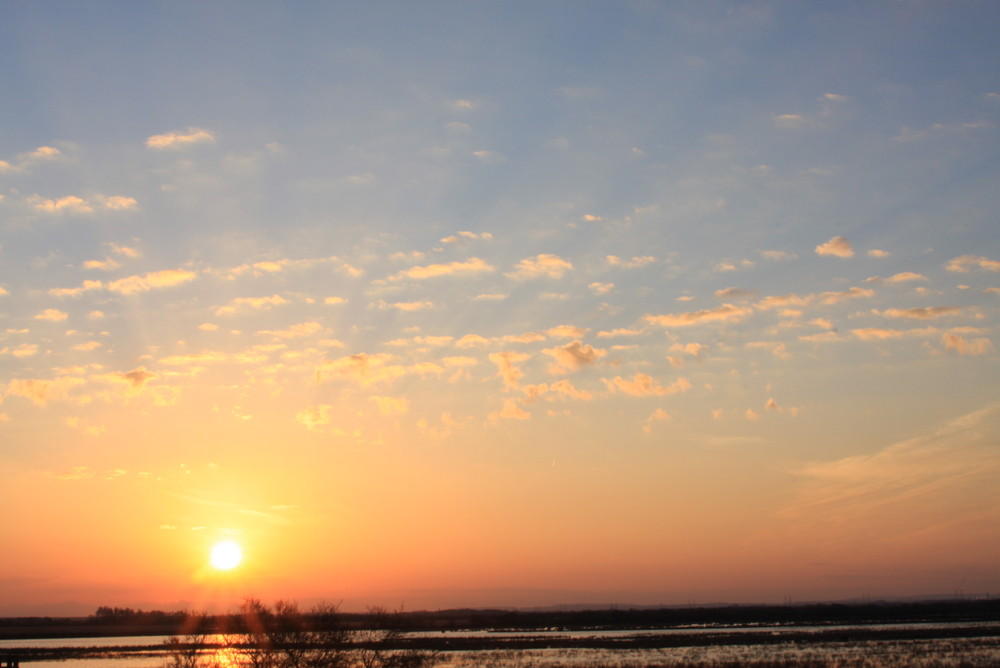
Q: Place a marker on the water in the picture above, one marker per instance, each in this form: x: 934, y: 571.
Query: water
x: 931, y: 651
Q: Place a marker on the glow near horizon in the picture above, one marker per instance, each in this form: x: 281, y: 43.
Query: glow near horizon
x: 470, y: 305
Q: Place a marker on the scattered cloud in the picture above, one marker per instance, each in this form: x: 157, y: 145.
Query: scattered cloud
x: 963, y: 346
x: 510, y: 411
x: 51, y: 315
x: 721, y: 314
x: 468, y: 267
x: 573, y: 356
x: 506, y: 362
x: 540, y: 266
x: 837, y: 247
x: 643, y: 385
x: 966, y: 263
x: 315, y: 418
x: 157, y: 279
x: 925, y: 313
x: 905, y: 277
x: 180, y: 139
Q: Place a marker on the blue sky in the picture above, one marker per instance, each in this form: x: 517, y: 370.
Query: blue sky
x: 727, y: 270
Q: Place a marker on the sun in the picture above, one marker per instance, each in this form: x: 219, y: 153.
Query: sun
x: 226, y: 555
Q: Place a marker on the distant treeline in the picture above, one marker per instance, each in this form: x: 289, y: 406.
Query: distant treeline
x: 113, y: 621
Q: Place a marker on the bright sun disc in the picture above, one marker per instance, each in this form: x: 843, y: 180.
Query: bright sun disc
x: 226, y: 555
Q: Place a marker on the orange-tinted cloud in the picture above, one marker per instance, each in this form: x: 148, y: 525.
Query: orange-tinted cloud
x: 724, y: 313
x: 836, y: 247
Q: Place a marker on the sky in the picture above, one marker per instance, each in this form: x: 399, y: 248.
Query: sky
x: 478, y: 304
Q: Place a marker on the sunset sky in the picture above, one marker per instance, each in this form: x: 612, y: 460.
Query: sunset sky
x: 443, y: 304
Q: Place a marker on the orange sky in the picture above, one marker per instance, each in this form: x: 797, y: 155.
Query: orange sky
x: 451, y: 306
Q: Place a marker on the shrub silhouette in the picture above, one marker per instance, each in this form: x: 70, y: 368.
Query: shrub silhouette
x: 285, y: 637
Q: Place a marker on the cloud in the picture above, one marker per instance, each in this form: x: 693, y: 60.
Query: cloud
x: 879, y: 334
x: 905, y: 277
x: 724, y: 313
x: 776, y: 348
x: 367, y: 370
x: 777, y: 255
x: 41, y: 391
x: 925, y: 313
x: 86, y: 286
x: 51, y: 315
x: 783, y: 301
x: 634, y: 263
x: 963, y: 346
x: 78, y: 205
x: 103, y: 265
x: 877, y: 252
x: 314, y: 418
x: 465, y: 235
x: 791, y: 121
x: 510, y: 411
x: 837, y: 246
x: 468, y: 267
x: 472, y: 341
x: 392, y: 405
x: 21, y: 351
x: 406, y: 306
x: 573, y: 356
x: 250, y: 303
x: 601, y: 289
x: 138, y: 377
x: 620, y: 331
x: 68, y: 204
x: 123, y: 250
x: 643, y: 385
x: 843, y: 295
x: 657, y: 415
x: 928, y: 491
x: 489, y: 157
x: 180, y: 139
x: 693, y: 349
x: 156, y: 279
x: 545, y: 265
x: 561, y: 388
x: 734, y: 293
x: 506, y: 362
x: 300, y: 330
x: 566, y: 331
x: 965, y: 263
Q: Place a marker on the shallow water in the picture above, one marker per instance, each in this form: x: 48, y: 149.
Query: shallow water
x: 959, y: 651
